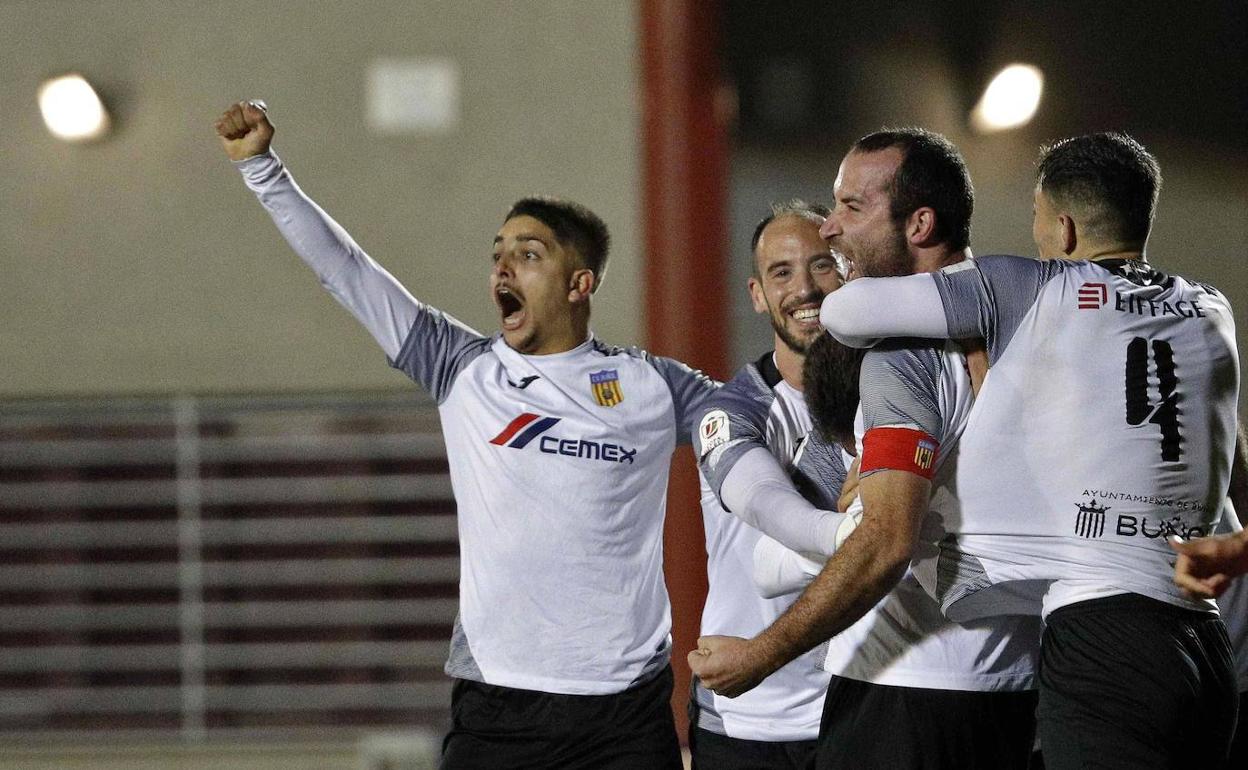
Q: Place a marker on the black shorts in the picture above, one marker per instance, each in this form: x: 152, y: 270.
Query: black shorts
x: 712, y: 751
x: 869, y: 725
x: 1239, y: 745
x: 493, y: 728
x: 1127, y: 681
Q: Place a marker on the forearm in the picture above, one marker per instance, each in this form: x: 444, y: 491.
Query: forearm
x: 759, y: 492
x: 852, y: 314
x: 779, y: 570
x: 853, y: 581
x: 864, y: 569
x: 361, y: 285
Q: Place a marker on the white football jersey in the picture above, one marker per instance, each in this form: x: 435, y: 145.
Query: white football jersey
x: 923, y: 388
x: 1106, y: 423
x: 559, y: 465
x: 758, y: 408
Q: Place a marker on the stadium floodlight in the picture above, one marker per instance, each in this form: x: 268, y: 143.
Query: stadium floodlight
x: 1010, y: 100
x: 71, y: 109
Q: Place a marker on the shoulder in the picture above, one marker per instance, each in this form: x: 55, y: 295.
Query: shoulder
x: 745, y: 394
x: 905, y: 354
x: 1014, y: 267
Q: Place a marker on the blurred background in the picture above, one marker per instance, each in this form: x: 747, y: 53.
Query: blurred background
x: 226, y: 533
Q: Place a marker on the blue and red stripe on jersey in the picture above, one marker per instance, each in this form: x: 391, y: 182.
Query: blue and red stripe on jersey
x: 526, y: 423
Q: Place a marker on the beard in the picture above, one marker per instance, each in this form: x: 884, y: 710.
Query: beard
x: 885, y: 258
x: 792, y: 341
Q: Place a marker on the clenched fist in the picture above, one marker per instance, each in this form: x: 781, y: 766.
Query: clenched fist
x: 245, y: 130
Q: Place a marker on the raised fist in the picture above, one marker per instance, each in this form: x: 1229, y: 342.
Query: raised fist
x: 245, y: 130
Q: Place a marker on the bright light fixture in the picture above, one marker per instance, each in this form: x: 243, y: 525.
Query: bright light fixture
x: 71, y: 109
x: 1010, y: 100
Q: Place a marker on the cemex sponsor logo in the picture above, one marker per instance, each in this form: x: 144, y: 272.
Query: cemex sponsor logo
x: 528, y: 427
x: 1094, y: 296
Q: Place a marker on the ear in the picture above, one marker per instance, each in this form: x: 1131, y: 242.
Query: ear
x: 921, y: 226
x: 1068, y: 236
x: 756, y: 295
x: 581, y: 285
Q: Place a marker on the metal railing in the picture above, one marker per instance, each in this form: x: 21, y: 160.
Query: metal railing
x: 198, y: 567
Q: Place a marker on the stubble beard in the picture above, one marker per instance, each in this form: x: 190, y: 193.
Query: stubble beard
x: 890, y: 258
x: 794, y: 343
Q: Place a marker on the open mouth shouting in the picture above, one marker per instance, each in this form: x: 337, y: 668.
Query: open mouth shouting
x: 511, y: 306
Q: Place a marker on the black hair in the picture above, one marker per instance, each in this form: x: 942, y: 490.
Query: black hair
x: 796, y: 207
x: 574, y: 226
x: 815, y: 212
x: 932, y: 174
x: 830, y: 384
x: 1109, y: 177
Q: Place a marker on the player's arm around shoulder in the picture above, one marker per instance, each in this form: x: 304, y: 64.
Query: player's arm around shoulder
x: 865, y: 310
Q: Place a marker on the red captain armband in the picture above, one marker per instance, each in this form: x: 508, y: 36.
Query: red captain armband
x: 899, y: 449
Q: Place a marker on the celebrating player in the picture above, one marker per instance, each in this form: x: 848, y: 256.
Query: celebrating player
x: 559, y: 447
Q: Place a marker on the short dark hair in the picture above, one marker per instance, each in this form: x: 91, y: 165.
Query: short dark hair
x: 830, y: 385
x: 932, y: 174
x: 1110, y: 176
x: 574, y: 226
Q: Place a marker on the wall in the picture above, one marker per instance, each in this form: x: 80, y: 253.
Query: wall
x: 141, y: 264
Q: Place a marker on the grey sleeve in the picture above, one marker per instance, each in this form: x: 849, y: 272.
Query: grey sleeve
x: 900, y: 387
x: 437, y: 349
x: 730, y: 423
x: 988, y: 297
x: 690, y: 389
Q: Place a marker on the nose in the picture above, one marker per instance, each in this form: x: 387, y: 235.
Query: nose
x: 830, y: 227
x: 503, y: 266
x: 803, y: 282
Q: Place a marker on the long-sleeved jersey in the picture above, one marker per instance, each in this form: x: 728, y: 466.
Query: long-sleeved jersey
x: 559, y: 465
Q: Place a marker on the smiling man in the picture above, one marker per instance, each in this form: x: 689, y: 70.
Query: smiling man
x: 756, y: 449
x: 949, y: 695
x: 559, y: 448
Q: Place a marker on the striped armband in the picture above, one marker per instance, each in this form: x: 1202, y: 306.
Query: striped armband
x: 899, y: 449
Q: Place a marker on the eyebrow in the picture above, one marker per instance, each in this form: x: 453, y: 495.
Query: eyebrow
x: 524, y: 237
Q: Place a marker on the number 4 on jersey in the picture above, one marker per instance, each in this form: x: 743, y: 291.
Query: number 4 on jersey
x: 1165, y: 413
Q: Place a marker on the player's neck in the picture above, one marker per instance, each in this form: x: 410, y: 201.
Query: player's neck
x: 1113, y: 252
x: 789, y: 364
x: 934, y: 259
x: 564, y: 337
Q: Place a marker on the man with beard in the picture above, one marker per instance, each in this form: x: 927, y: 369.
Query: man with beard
x: 559, y: 448
x: 759, y: 418
x: 946, y: 695
x: 1106, y: 424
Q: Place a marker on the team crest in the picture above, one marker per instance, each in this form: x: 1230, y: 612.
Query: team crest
x: 606, y: 387
x: 924, y: 454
